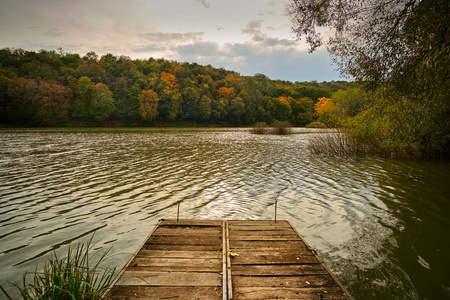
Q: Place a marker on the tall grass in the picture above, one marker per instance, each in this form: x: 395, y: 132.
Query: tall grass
x: 337, y: 144
x: 75, y: 276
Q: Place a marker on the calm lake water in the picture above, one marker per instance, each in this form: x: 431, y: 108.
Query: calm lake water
x: 382, y: 226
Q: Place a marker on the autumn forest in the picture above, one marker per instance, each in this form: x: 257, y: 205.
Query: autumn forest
x: 54, y: 88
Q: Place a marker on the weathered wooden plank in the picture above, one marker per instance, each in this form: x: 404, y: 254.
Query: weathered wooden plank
x: 272, y: 251
x: 190, y: 222
x: 152, y: 293
x: 183, y: 247
x: 145, y: 262
x: 185, y: 240
x: 285, y: 281
x: 282, y: 223
x: 289, y: 231
x: 258, y: 227
x: 255, y: 293
x: 199, y: 268
x: 179, y: 254
x: 278, y: 270
x: 288, y: 237
x: 234, y: 244
x: 183, y: 231
x: 274, y: 259
x: 136, y: 278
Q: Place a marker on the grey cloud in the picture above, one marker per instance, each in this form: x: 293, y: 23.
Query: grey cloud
x: 273, y: 42
x: 196, y: 50
x: 172, y: 36
x: 53, y: 32
x: 252, y: 27
x: 205, y: 3
x: 259, y: 38
x: 149, y: 48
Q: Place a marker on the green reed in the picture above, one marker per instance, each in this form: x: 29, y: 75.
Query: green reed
x: 74, y: 276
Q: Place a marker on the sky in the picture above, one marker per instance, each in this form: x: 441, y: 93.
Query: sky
x: 246, y: 36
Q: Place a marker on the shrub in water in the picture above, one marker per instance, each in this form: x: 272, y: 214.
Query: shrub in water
x: 281, y: 128
x: 259, y: 128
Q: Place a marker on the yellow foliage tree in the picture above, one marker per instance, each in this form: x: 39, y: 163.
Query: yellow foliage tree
x: 325, y: 111
x: 226, y: 94
x: 148, y: 104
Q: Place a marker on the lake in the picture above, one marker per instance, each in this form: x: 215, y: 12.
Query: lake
x: 381, y: 225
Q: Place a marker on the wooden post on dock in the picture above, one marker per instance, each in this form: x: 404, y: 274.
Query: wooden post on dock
x: 276, y: 201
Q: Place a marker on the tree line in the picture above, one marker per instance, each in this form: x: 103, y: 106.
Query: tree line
x: 55, y: 88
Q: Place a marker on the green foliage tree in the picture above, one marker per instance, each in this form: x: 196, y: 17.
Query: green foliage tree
x: 191, y: 102
x: 84, y: 94
x: 204, y: 108
x: 102, y: 106
x: 133, y: 105
x: 236, y: 111
x: 302, y: 111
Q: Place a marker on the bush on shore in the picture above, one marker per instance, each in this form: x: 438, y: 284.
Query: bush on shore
x: 316, y: 124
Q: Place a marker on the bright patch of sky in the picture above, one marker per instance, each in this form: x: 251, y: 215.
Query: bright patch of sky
x: 247, y: 36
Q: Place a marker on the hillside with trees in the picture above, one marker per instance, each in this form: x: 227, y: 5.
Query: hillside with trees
x: 55, y: 88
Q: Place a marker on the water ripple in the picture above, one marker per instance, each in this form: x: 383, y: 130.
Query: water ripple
x: 59, y: 186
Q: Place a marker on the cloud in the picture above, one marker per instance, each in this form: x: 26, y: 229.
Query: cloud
x: 252, y: 27
x: 149, y: 48
x: 276, y: 58
x: 205, y: 3
x: 53, y: 32
x: 172, y: 36
x: 274, y: 42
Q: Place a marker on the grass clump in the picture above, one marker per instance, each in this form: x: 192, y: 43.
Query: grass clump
x: 259, y: 128
x: 282, y: 128
x: 337, y: 144
x: 72, y: 277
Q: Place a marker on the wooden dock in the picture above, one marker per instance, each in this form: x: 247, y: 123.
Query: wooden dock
x: 204, y: 259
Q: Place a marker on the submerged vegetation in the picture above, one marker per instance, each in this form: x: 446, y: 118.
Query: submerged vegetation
x: 74, y: 276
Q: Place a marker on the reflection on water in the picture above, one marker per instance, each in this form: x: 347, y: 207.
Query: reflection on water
x: 381, y: 225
